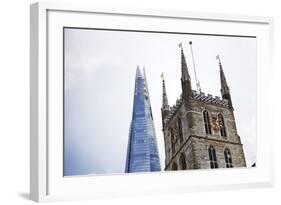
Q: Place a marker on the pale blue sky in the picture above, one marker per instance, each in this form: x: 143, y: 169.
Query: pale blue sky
x: 99, y: 84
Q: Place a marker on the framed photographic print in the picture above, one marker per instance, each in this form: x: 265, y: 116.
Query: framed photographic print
x: 127, y: 102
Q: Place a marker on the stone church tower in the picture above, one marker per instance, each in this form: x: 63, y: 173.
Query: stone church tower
x: 200, y: 130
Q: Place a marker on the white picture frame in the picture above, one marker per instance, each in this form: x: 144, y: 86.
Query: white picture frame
x: 46, y: 180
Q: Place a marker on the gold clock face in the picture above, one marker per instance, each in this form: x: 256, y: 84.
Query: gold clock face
x: 216, y: 122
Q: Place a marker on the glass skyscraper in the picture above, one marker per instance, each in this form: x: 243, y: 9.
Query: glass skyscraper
x: 142, y: 153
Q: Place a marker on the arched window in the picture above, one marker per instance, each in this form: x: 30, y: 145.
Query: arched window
x: 213, y: 157
x: 228, y: 159
x: 180, y: 130
x: 222, y: 129
x: 182, y: 161
x: 174, y: 166
x: 207, y: 122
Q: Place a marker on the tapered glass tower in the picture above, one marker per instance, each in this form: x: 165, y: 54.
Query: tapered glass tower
x: 142, y: 153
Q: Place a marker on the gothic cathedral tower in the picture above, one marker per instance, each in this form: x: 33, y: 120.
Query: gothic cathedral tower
x: 200, y: 130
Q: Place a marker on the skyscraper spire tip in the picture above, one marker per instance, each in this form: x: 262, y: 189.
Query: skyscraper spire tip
x: 138, y: 72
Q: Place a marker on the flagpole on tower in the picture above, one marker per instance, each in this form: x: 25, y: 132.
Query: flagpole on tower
x: 194, y: 68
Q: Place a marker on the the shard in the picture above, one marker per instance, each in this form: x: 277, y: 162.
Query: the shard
x: 142, y: 152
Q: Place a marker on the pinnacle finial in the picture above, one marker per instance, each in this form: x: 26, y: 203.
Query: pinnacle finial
x: 225, y: 92
x: 222, y: 76
x: 184, y: 69
x: 162, y: 76
x: 218, y: 58
x: 180, y: 45
x: 165, y: 104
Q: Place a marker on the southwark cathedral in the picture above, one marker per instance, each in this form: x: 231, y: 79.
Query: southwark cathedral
x: 199, y: 129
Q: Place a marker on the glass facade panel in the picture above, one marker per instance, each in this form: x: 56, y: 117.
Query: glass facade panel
x: 142, y: 152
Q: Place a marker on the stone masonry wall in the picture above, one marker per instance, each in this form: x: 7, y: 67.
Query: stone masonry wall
x: 196, y: 148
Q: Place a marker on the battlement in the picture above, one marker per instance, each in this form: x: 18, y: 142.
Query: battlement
x: 173, y: 110
x: 199, y: 97
x: 209, y: 98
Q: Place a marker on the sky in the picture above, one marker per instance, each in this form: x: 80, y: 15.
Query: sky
x: 99, y: 76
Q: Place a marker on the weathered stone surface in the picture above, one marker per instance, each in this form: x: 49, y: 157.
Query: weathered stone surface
x: 196, y: 142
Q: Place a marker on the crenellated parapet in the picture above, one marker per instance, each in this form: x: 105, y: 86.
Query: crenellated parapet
x: 174, y: 110
x: 198, y: 96
x: 209, y: 99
